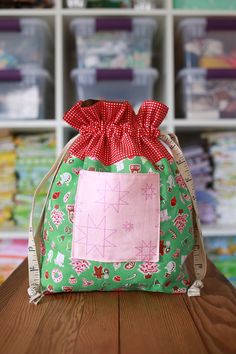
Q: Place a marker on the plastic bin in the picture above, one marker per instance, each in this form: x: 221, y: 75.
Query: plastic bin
x: 25, y: 94
x: 24, y: 43
x: 205, y: 4
x: 133, y: 85
x: 140, y: 4
x: 206, y: 94
x: 8, y: 4
x: 113, y: 42
x: 207, y: 43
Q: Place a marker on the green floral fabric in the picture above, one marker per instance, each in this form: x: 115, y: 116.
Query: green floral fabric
x: 61, y: 273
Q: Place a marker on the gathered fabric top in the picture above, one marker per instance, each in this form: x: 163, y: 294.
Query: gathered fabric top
x: 111, y: 131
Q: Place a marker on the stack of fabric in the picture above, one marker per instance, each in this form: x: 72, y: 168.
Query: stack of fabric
x: 35, y: 156
x: 8, y: 4
x: 8, y: 179
x: 199, y: 163
x: 222, y: 252
x: 222, y: 147
x: 12, y: 253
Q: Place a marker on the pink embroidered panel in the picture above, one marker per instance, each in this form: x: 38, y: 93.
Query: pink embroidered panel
x: 117, y: 217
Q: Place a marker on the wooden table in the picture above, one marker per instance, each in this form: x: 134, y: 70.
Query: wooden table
x: 112, y: 323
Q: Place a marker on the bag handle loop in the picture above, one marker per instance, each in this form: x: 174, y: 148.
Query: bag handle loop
x: 34, y: 290
x: 199, y: 255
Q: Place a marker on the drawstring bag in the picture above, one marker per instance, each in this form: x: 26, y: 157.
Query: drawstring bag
x: 120, y: 212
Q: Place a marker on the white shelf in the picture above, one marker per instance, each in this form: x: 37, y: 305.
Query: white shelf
x: 218, y: 230
x: 188, y: 124
x: 28, y: 124
x: 167, y: 16
x: 203, y: 13
x: 16, y: 235
x: 113, y: 12
x: 27, y: 12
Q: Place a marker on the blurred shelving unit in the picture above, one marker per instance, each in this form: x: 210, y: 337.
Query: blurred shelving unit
x: 167, y: 17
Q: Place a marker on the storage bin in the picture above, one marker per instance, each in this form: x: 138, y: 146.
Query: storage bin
x: 8, y: 4
x: 205, y: 4
x: 133, y: 85
x: 24, y: 43
x: 206, y: 94
x: 207, y: 43
x: 25, y: 94
x: 113, y: 42
x: 140, y: 4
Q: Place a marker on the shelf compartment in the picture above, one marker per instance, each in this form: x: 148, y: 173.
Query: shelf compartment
x: 218, y: 230
x: 22, y: 125
x: 190, y: 125
x: 14, y: 234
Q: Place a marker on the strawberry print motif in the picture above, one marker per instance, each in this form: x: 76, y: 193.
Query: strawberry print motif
x: 173, y: 201
x: 55, y: 195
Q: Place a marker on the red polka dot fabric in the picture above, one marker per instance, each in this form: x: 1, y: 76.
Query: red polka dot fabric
x: 111, y: 131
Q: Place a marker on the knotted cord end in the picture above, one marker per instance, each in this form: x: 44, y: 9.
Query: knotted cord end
x: 35, y: 296
x: 194, y: 289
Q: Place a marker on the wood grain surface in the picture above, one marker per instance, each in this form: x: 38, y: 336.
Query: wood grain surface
x: 114, y: 323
